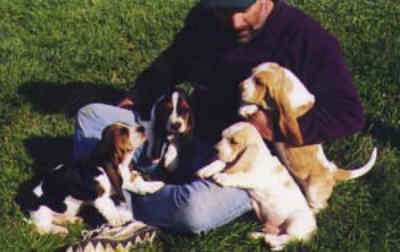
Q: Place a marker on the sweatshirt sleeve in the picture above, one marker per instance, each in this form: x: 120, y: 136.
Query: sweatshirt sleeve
x: 337, y: 111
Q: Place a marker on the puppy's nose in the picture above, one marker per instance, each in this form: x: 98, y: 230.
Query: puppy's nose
x: 140, y: 129
x: 242, y: 85
x: 215, y: 150
x: 176, y: 125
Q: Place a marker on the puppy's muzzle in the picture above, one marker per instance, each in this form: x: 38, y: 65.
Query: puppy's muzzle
x: 175, y: 127
x: 141, y: 130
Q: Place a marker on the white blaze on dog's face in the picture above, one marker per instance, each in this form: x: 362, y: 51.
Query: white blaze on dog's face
x: 171, y: 118
x: 235, y: 140
x: 177, y: 120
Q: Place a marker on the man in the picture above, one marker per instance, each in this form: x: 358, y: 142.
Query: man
x: 221, y: 42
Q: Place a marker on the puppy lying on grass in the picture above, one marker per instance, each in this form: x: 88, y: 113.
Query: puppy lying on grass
x: 103, y: 182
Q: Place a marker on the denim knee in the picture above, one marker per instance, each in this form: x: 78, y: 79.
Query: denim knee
x: 88, y: 111
x: 90, y: 121
x: 202, y: 211
x: 193, y: 218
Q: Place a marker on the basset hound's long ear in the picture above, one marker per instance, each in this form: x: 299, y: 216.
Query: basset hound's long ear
x: 244, y: 161
x: 192, y: 119
x: 278, y: 92
x: 288, y: 123
x: 107, y: 151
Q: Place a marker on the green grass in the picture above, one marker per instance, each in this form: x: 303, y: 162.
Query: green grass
x: 56, y: 56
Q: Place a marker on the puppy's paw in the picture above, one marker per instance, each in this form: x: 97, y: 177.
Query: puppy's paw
x: 276, y: 242
x: 211, y: 169
x: 247, y: 110
x: 256, y: 235
x: 77, y: 220
x: 224, y: 179
x: 120, y: 220
x: 126, y: 212
x: 52, y: 229
x: 152, y: 187
x: 62, y: 231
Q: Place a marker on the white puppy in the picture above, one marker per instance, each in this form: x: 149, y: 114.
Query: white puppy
x: 244, y: 161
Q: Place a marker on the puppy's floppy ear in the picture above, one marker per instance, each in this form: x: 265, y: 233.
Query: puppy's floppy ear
x: 110, y: 156
x: 244, y: 160
x: 191, y: 121
x: 105, y: 147
x: 288, y: 123
x: 278, y: 90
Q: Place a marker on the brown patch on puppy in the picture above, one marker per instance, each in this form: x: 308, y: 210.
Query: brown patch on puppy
x: 315, y: 173
x: 277, y: 90
x: 242, y: 149
x: 134, y: 175
x: 114, y: 145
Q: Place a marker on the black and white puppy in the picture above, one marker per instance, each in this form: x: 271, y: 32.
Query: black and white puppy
x: 171, y: 124
x: 102, y: 182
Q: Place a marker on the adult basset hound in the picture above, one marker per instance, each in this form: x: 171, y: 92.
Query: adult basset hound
x: 244, y: 161
x: 272, y: 87
x: 103, y: 182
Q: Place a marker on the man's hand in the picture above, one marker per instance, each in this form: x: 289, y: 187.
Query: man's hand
x: 126, y: 103
x: 264, y: 123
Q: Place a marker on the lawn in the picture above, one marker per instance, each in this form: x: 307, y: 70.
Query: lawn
x: 56, y: 56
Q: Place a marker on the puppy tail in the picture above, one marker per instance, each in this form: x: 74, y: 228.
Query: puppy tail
x: 343, y: 175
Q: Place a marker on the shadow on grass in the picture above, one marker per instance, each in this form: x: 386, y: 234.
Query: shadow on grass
x: 383, y: 132
x: 51, y: 97
x: 47, y: 153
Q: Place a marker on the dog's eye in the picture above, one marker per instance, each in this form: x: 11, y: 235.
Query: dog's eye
x: 183, y: 109
x: 141, y: 129
x: 232, y: 141
x: 258, y: 82
x: 123, y: 131
x: 168, y: 106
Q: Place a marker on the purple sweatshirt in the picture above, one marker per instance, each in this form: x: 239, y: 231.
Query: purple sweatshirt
x: 205, y: 55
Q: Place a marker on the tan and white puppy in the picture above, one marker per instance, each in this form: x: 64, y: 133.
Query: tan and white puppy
x: 102, y: 182
x: 272, y: 87
x: 244, y: 161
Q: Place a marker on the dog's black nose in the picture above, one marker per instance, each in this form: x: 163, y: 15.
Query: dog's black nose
x: 214, y: 151
x: 141, y: 129
x: 176, y: 126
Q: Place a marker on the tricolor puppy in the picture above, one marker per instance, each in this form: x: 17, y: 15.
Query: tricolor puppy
x: 171, y: 124
x: 272, y: 87
x: 102, y: 182
x: 244, y: 161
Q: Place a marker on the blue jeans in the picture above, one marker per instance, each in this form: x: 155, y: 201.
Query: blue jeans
x: 194, y: 207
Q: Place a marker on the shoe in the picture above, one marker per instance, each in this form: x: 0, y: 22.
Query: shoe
x: 106, y: 238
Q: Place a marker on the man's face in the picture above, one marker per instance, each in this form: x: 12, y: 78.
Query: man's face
x: 244, y: 24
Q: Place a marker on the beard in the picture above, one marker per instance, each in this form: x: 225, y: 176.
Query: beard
x: 243, y: 36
